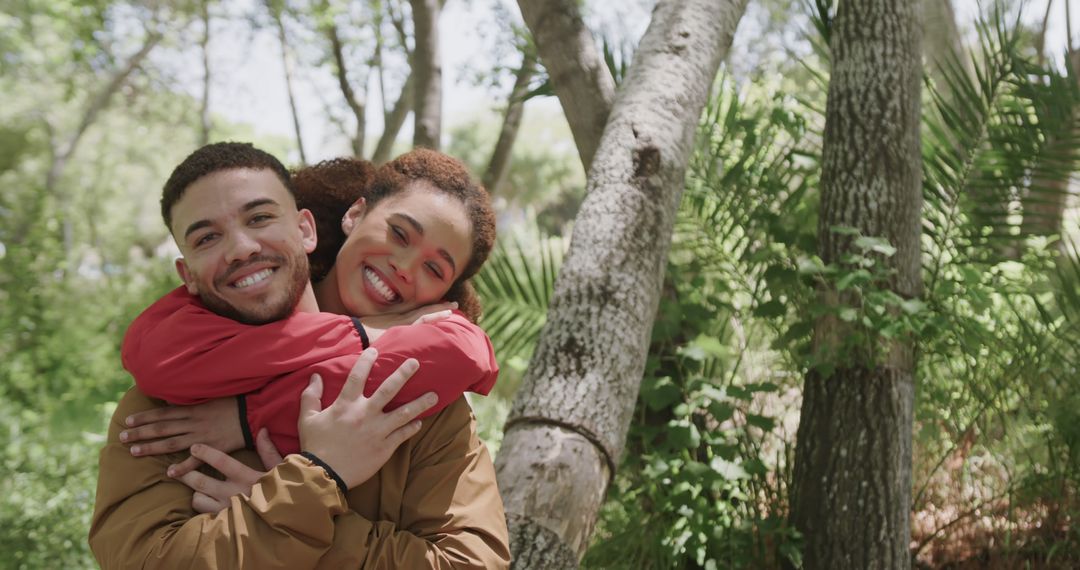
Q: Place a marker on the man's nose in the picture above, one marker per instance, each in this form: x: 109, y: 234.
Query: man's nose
x: 241, y: 247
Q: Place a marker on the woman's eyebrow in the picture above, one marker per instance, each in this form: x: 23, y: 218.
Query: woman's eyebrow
x: 420, y: 230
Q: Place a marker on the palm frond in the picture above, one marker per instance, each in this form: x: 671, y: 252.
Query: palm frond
x: 515, y: 285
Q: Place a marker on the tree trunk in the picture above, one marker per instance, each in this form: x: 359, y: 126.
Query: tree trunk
x: 63, y: 151
x: 1044, y: 204
x: 515, y: 107
x: 427, y: 69
x: 394, y: 121
x: 286, y: 61
x: 941, y: 39
x: 356, y: 105
x: 569, y: 421
x: 581, y: 80
x: 204, y: 103
x: 852, y: 475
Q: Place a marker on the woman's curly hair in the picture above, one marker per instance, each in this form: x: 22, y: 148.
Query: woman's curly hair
x: 330, y: 187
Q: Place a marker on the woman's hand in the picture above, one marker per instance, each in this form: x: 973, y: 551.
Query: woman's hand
x: 354, y: 436
x: 174, y: 428
x: 375, y: 325
x: 212, y: 495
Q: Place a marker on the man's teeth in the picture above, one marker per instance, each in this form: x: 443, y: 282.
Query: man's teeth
x: 253, y: 278
x: 380, y: 286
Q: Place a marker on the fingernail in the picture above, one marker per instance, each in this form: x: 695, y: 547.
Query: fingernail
x: 454, y: 304
x: 171, y: 471
x: 412, y: 363
x: 432, y: 398
x: 130, y: 421
x: 197, y: 448
x: 123, y: 436
x: 370, y: 351
x: 135, y: 450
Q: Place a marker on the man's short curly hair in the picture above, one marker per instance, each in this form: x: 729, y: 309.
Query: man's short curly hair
x: 213, y: 158
x: 330, y: 187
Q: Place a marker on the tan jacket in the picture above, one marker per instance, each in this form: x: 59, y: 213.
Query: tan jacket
x: 433, y: 505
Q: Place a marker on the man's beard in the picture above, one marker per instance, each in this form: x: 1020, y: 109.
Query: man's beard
x: 272, y: 310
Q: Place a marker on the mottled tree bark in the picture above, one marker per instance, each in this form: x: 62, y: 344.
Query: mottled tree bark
x: 569, y: 420
x: 286, y: 61
x: 581, y: 80
x: 515, y: 107
x: 427, y: 70
x: 852, y: 475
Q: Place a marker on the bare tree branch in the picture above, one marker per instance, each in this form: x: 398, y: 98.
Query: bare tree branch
x: 515, y: 106
x: 578, y: 74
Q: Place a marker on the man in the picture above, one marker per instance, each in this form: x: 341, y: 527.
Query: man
x: 432, y: 504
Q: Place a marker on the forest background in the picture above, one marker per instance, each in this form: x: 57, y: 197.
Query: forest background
x: 102, y: 98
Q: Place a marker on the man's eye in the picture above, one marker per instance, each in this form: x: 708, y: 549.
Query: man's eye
x: 204, y: 239
x: 260, y: 218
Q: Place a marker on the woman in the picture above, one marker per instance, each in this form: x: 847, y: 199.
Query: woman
x: 392, y: 241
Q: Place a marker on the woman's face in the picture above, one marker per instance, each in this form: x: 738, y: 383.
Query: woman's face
x: 403, y: 253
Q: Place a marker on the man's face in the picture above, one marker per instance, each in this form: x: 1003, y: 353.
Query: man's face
x: 244, y: 244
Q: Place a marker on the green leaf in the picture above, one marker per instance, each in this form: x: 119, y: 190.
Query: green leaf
x: 728, y: 470
x: 875, y: 244
x: 763, y: 422
x: 770, y: 309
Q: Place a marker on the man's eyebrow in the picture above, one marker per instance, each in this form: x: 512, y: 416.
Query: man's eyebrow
x: 260, y: 202
x: 196, y: 226
x: 420, y: 230
x: 245, y: 208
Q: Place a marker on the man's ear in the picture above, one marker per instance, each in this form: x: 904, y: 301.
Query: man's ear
x: 186, y: 276
x: 308, y: 234
x: 354, y: 213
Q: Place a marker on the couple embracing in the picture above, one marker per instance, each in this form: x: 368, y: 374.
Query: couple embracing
x: 325, y: 391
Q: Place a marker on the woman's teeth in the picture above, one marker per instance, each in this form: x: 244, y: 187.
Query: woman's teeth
x: 254, y: 278
x: 381, y: 287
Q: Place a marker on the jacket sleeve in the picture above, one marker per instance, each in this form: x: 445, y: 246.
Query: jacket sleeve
x: 454, y: 354
x: 295, y: 517
x: 449, y: 508
x: 181, y: 352
x: 143, y: 519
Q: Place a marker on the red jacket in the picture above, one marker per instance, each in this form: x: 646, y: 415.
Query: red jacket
x: 181, y: 352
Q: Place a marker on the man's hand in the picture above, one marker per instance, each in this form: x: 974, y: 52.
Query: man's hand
x: 174, y: 428
x: 212, y: 495
x: 354, y: 436
x: 374, y: 326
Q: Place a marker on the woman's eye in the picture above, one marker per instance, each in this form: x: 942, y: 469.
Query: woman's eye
x: 435, y: 270
x: 400, y: 234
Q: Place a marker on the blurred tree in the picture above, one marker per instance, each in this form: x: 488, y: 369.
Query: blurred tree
x: 578, y: 393
x: 580, y: 78
x: 277, y: 14
x: 427, y: 70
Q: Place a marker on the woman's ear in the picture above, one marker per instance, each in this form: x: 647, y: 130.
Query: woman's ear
x: 306, y: 223
x: 354, y: 213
